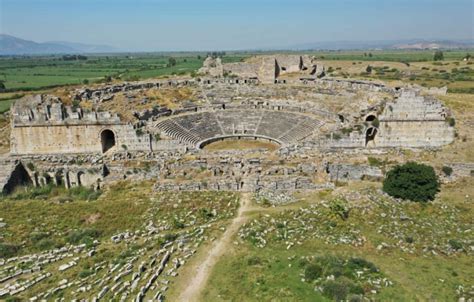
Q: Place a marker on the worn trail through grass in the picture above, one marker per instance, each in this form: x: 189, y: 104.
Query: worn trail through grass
x: 202, y: 272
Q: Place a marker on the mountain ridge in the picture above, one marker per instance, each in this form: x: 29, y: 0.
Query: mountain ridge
x: 10, y: 45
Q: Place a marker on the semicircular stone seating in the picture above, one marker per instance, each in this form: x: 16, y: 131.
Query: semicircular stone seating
x: 280, y: 126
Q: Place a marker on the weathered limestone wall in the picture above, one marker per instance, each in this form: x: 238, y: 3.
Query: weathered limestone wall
x: 415, y: 134
x: 284, y: 184
x: 212, y: 67
x: 414, y: 121
x: 241, y: 70
x: 51, y: 139
x: 41, y: 124
x: 345, y: 172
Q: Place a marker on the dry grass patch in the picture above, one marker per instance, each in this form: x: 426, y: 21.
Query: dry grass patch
x: 242, y: 144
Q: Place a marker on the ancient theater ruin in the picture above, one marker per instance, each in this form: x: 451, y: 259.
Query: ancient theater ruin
x: 319, y: 124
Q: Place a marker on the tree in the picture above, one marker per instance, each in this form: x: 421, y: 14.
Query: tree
x: 369, y: 69
x: 171, y: 61
x: 438, y: 56
x: 412, y: 181
x: 2, y: 86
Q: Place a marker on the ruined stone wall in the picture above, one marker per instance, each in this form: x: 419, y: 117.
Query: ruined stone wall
x: 414, y: 121
x: 41, y: 124
x: 346, y: 172
x: 415, y: 134
x: 247, y: 185
x: 50, y: 139
x: 241, y: 70
x: 268, y: 71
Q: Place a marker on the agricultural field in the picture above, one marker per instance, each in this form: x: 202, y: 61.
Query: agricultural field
x: 43, y: 72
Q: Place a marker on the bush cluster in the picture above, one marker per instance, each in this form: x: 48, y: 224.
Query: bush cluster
x: 86, y: 236
x: 337, y: 278
x: 412, y: 181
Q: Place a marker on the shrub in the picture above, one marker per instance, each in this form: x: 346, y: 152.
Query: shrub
x: 340, y: 207
x: 37, y: 236
x: 170, y: 237
x: 8, y: 250
x: 412, y: 181
x: 447, y: 170
x: 312, y: 272
x: 375, y: 162
x: 85, y: 273
x: 33, y: 192
x: 451, y: 121
x: 456, y: 245
x: 254, y: 260
x: 356, y: 298
x: 376, y: 123
x: 30, y: 166
x: 341, y: 287
x: 83, y: 236
x: 360, y: 263
x: 46, y: 244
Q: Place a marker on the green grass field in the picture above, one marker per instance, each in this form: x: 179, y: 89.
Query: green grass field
x: 389, y: 55
x: 405, y: 242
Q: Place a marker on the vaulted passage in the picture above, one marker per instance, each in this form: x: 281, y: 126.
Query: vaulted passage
x: 370, y: 135
x: 107, y: 138
x: 17, y: 177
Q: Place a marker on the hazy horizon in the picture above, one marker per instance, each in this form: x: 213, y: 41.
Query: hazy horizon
x: 165, y: 25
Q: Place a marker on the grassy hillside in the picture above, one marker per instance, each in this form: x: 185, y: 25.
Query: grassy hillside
x: 419, y: 252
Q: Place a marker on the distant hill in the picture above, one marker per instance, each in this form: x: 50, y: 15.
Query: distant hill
x: 415, y: 44
x: 10, y: 45
x: 435, y: 45
x: 86, y: 48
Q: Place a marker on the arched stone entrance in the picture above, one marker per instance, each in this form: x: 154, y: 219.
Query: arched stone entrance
x: 80, y: 179
x: 370, y: 136
x: 107, y: 139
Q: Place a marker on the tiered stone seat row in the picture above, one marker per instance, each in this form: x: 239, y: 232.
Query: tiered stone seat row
x: 282, y: 126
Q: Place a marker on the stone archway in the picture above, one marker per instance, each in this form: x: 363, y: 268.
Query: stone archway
x: 370, y: 118
x: 80, y: 176
x: 107, y: 140
x: 370, y: 135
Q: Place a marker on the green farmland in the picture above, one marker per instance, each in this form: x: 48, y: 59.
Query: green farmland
x: 42, y: 72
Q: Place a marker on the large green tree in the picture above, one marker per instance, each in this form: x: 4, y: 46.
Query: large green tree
x: 438, y: 56
x: 413, y: 181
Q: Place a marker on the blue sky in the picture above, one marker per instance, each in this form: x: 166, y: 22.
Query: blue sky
x: 235, y: 24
